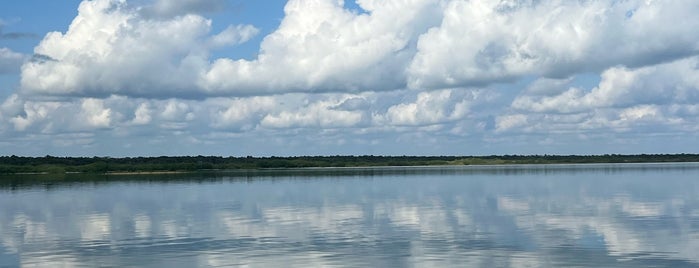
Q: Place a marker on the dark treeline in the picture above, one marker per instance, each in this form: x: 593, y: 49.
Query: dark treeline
x: 51, y: 164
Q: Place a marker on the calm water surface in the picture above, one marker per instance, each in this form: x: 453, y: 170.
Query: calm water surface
x: 638, y: 215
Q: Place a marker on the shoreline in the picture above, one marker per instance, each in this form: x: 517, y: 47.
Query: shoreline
x: 15, y: 165
x: 340, y: 171
x: 127, y: 173
x: 117, y: 173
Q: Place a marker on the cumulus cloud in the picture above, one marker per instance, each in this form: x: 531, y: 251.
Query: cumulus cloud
x: 482, y: 42
x: 670, y: 83
x: 320, y: 46
x: 242, y: 113
x: 430, y: 108
x: 662, y: 94
x: 110, y: 49
x: 52, y: 117
x: 35, y: 113
x: 142, y: 114
x: 321, y: 114
x: 95, y: 114
x: 365, y: 112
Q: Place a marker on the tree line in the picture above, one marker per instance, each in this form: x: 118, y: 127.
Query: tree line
x: 52, y: 164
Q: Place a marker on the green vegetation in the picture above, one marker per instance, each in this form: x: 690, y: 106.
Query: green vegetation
x: 56, y: 165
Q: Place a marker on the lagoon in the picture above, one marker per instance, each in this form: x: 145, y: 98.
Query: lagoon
x: 605, y: 215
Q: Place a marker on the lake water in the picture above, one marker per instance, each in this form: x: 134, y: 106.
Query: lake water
x: 610, y: 215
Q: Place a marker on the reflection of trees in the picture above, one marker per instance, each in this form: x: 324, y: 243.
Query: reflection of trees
x: 51, y: 181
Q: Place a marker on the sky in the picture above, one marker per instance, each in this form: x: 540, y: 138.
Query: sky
x: 332, y: 77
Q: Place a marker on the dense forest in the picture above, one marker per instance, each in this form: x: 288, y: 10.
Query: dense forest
x: 52, y: 165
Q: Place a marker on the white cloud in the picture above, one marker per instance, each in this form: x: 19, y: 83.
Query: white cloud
x: 507, y: 122
x: 320, y: 46
x: 430, y: 108
x: 481, y: 42
x: 175, y: 110
x: 664, y: 94
x: 12, y: 105
x: 234, y: 35
x: 56, y: 117
x: 243, y: 113
x: 33, y: 112
x: 142, y: 115
x: 111, y: 49
x: 329, y: 119
x: 321, y: 114
x: 95, y: 114
x: 641, y: 113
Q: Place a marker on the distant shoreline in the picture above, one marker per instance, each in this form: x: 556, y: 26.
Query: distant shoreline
x: 17, y: 165
x: 117, y: 173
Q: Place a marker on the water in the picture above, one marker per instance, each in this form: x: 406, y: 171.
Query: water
x: 635, y: 215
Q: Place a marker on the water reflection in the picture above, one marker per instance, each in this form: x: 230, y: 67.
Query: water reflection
x: 510, y: 216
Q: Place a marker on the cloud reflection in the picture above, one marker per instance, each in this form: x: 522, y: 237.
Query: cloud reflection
x: 426, y: 220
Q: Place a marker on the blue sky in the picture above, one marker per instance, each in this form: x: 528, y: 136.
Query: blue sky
x: 326, y: 77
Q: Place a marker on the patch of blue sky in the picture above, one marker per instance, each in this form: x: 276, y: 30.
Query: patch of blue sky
x: 264, y: 15
x: 36, y: 17
x: 586, y: 81
x: 354, y: 7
